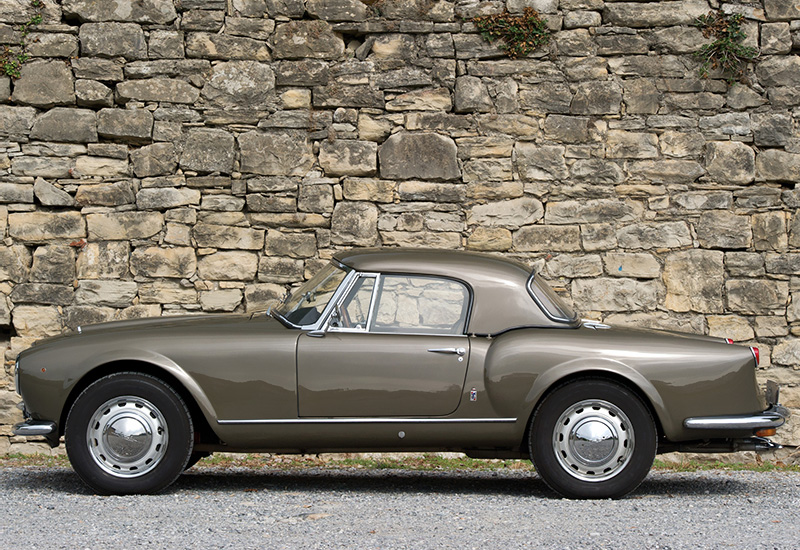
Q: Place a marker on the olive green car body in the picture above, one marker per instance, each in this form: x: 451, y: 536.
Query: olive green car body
x: 252, y: 383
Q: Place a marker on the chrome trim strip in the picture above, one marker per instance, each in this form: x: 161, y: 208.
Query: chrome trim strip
x: 34, y: 427
x: 773, y: 417
x: 372, y: 421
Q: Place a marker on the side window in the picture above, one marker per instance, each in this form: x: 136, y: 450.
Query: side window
x: 419, y: 304
x: 355, y: 306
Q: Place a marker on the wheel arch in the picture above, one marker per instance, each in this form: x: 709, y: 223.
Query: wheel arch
x: 645, y: 392
x: 200, y: 408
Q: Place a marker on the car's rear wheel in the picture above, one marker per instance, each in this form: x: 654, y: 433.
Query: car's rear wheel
x: 592, y: 438
x: 129, y: 433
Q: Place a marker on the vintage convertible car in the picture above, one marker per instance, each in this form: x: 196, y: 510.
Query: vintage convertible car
x: 390, y: 350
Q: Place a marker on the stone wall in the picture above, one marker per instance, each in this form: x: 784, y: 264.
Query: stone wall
x: 162, y: 159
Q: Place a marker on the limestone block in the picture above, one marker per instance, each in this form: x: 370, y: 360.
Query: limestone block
x: 305, y: 72
x: 98, y: 166
x: 596, y: 98
x: 366, y: 189
x: 337, y: 10
x: 781, y: 9
x: 640, y: 96
x: 574, y: 265
x: 95, y: 68
x: 15, y: 263
x: 152, y: 261
x: 776, y: 38
x: 730, y: 162
x: 45, y: 167
x: 591, y: 211
x: 44, y: 84
x: 635, y: 265
x: 307, y: 39
x: 677, y: 39
x: 165, y: 45
x: 734, y: 327
x: 681, y: 144
x: 490, y: 239
x: 315, y: 196
x: 53, y: 264
x: 202, y: 20
x: 166, y: 197
x: 240, y: 85
x: 744, y: 264
x: 348, y: 158
x: 635, y: 145
x: 769, y: 231
x: 546, y: 97
x: 495, y: 190
x: 113, y: 40
x: 472, y: 95
x: 723, y: 229
x: 271, y: 203
x: 222, y: 46
x: 487, y: 170
x: 158, y: 159
x: 50, y: 195
x: 291, y: 245
x: 606, y: 294
x: 276, y: 153
x: 272, y: 269
x: 208, y: 150
x: 103, y: 260
x: 115, y: 226
x: 440, y: 45
x: 772, y: 128
x: 435, y: 99
x: 109, y: 194
x: 222, y: 203
x: 666, y: 171
x: 41, y: 293
x: 694, y: 280
x: 105, y: 293
x: 421, y: 239
x: 666, y: 66
x: 228, y: 266
x: 16, y: 121
x: 779, y: 70
x: 647, y: 236
x: 221, y: 300
x: 354, y: 224
x: 540, y: 163
x: 510, y: 125
x: 757, y: 296
x: 76, y: 316
x: 131, y: 125
x: 166, y: 292
x: 33, y: 227
x: 259, y: 29
x: 259, y: 296
x: 621, y: 44
x: 597, y: 171
x: 139, y: 11
x: 90, y: 93
x: 209, y: 235
x: 408, y: 155
x: 776, y: 165
x: 429, y: 191
x: 348, y: 96
x: 547, y: 238
x: 582, y: 19
x: 16, y: 192
x: 661, y: 14
x: 485, y: 147
x: 157, y: 89
x: 36, y: 321
x: 566, y: 129
x: 41, y: 44
x: 510, y: 214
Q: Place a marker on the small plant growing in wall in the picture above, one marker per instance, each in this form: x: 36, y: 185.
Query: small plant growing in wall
x: 12, y: 59
x: 519, y: 35
x: 727, y: 51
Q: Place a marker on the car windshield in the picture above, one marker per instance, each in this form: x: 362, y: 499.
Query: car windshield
x: 552, y: 304
x: 305, y: 304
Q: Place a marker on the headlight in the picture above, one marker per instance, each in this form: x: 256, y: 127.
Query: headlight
x: 16, y: 375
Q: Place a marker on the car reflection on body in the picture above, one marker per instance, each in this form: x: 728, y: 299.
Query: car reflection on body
x: 395, y: 350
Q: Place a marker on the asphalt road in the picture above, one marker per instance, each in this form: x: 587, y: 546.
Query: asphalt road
x: 364, y: 509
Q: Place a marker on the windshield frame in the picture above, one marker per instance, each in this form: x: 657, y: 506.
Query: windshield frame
x: 536, y: 286
x: 335, y: 297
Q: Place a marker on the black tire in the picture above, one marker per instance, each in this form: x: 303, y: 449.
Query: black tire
x: 194, y: 458
x: 592, y: 438
x: 129, y: 433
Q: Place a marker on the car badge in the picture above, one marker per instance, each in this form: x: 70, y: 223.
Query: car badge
x: 473, y: 394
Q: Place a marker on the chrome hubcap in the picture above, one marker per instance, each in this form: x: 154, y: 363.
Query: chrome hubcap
x: 593, y: 440
x: 127, y: 436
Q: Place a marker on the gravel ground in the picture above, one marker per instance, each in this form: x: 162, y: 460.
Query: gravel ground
x: 363, y: 509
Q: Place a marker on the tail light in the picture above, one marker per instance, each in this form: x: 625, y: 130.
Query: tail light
x: 756, y: 355
x: 729, y: 340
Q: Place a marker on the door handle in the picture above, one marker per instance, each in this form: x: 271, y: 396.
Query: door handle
x: 454, y: 351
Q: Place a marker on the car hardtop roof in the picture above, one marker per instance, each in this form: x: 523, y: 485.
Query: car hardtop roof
x: 452, y: 263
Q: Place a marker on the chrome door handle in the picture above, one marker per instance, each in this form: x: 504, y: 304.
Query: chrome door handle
x: 454, y: 351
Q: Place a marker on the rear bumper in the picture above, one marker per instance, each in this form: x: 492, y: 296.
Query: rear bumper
x: 773, y: 417
x: 35, y: 428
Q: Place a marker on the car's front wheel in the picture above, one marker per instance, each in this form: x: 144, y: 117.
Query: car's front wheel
x: 592, y: 438
x: 129, y: 433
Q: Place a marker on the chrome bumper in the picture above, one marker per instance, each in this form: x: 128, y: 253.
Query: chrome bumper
x: 35, y: 427
x: 773, y: 417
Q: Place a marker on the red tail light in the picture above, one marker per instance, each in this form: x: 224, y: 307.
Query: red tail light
x: 729, y: 340
x: 755, y: 354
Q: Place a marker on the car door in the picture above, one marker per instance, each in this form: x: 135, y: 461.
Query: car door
x: 395, y: 347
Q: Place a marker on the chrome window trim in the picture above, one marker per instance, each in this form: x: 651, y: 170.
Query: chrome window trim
x: 371, y: 421
x: 540, y: 304
x: 339, y: 297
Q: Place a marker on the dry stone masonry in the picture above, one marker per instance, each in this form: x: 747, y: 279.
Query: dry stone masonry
x: 164, y: 159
